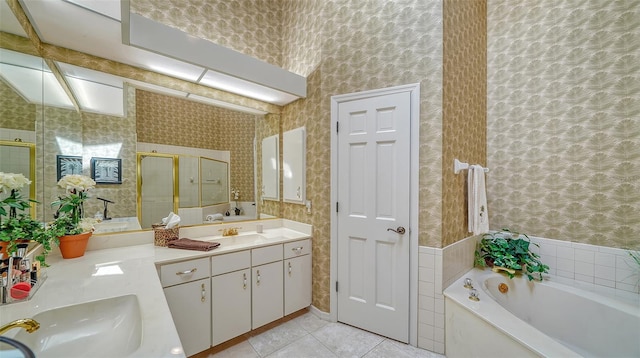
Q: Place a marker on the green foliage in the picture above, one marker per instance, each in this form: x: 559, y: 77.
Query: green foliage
x: 510, y: 250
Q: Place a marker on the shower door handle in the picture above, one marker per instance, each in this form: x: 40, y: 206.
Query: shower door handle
x: 400, y: 230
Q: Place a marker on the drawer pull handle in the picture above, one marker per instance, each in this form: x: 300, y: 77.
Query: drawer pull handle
x: 203, y: 293
x: 258, y: 278
x: 289, y: 268
x: 297, y: 249
x: 187, y: 272
x: 244, y: 281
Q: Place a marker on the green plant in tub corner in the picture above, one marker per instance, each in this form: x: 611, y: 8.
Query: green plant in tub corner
x: 509, y: 252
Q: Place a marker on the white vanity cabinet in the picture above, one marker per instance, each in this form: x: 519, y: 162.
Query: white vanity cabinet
x: 297, y: 275
x: 267, y: 285
x: 231, y: 295
x: 187, y: 290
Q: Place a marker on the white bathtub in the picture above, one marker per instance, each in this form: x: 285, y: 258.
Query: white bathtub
x: 554, y: 318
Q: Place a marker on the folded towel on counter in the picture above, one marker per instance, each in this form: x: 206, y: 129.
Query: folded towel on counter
x: 188, y: 244
x: 214, y: 217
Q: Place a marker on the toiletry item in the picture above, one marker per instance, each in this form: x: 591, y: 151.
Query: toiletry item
x: 227, y: 213
x: 20, y: 290
x: 259, y: 229
x: 237, y: 210
x: 22, y: 250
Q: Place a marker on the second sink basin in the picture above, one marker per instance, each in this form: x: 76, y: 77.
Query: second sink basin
x: 105, y: 328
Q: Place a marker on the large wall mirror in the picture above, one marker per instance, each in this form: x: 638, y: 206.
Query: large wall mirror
x: 55, y: 127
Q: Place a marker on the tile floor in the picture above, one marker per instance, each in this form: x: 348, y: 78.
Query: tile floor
x: 308, y: 336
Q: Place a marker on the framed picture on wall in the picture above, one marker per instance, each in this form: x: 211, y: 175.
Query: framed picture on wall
x: 106, y: 170
x: 68, y: 164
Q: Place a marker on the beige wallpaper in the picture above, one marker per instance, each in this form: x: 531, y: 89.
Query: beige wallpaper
x: 200, y: 126
x: 15, y: 112
x: 364, y: 45
x: 97, y: 136
x: 248, y: 26
x: 564, y: 119
x: 464, y: 107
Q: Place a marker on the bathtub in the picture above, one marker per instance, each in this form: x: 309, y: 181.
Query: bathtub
x: 554, y: 318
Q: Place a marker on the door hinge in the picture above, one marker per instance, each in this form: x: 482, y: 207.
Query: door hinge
x: 337, y: 127
x: 337, y: 208
x: 336, y: 286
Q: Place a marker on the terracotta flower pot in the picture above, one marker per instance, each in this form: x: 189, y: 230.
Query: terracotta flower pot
x: 72, y: 246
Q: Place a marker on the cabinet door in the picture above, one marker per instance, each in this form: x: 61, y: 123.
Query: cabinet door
x: 267, y: 293
x: 231, y: 305
x: 191, y: 311
x: 297, y: 284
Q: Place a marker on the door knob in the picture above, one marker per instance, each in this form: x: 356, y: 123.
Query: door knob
x: 400, y: 230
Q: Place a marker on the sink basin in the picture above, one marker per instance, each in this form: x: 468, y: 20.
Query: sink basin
x: 241, y: 240
x: 105, y: 328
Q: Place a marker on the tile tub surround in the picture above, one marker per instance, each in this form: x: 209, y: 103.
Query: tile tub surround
x: 588, y: 264
x: 79, y: 280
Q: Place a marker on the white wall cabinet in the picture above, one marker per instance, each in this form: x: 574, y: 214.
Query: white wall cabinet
x: 188, y: 292
x: 294, y: 166
x: 297, y: 276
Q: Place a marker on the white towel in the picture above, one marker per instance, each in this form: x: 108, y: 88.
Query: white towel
x: 214, y: 217
x: 478, y: 211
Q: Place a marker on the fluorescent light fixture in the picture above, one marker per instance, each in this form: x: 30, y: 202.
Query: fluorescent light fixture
x: 97, y: 97
x: 157, y: 89
x: 158, y: 38
x: 175, y: 69
x: 245, y: 88
x: 226, y: 105
x: 108, y: 8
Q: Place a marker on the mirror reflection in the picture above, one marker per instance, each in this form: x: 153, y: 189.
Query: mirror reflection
x: 147, y: 119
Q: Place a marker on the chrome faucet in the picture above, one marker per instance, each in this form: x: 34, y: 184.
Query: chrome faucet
x: 29, y: 325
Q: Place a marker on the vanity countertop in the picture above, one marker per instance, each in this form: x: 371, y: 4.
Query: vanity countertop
x: 127, y: 270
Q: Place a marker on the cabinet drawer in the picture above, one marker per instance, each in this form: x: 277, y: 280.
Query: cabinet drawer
x: 297, y: 248
x: 265, y: 255
x: 230, y: 262
x: 185, y: 271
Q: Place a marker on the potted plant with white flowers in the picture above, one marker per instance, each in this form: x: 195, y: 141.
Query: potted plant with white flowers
x: 69, y: 229
x: 15, y: 225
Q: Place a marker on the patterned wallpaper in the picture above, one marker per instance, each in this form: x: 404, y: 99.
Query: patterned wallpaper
x: 98, y: 136
x: 365, y: 45
x: 15, y: 112
x: 200, y: 126
x: 564, y: 119
x: 248, y: 26
x: 464, y: 107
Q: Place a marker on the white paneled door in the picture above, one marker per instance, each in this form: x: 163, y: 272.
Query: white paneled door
x: 373, y: 214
